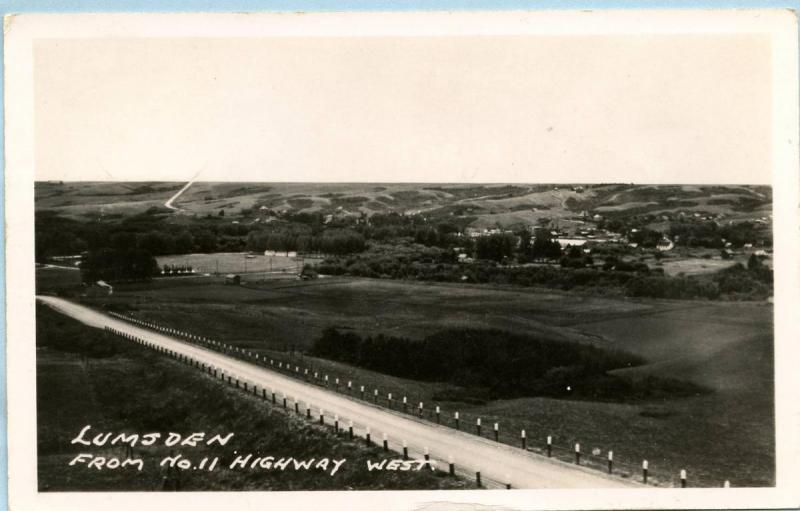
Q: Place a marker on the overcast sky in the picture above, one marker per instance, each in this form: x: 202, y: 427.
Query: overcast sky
x: 677, y: 109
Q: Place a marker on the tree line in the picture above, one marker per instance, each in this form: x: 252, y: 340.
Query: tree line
x: 330, y: 241
x: 500, y: 363
x: 616, y: 277
x: 113, y: 265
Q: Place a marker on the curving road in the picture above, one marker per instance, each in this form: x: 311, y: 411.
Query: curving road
x: 499, y: 464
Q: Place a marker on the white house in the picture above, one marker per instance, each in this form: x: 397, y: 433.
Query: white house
x: 664, y: 244
x: 571, y: 242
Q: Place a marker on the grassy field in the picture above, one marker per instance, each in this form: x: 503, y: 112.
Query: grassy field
x: 85, y: 377
x: 685, y: 261
x: 727, y: 347
x: 236, y: 263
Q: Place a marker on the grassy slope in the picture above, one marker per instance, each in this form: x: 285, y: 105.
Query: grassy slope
x: 134, y: 390
x: 725, y: 346
x: 79, y: 199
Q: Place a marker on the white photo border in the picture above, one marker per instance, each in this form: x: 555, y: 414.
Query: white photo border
x: 22, y: 31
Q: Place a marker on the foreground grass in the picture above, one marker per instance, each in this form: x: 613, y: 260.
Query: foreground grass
x: 87, y: 378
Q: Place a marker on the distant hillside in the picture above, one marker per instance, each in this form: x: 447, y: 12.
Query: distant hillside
x: 479, y: 206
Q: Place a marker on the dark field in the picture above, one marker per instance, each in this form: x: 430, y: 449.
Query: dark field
x: 727, y: 347
x: 87, y: 378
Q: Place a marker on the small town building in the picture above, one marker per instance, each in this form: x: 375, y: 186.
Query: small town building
x: 571, y: 242
x: 664, y: 245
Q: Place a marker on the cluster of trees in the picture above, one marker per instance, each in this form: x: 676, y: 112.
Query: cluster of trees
x: 710, y: 235
x: 689, y: 232
x: 739, y: 282
x: 751, y: 282
x: 615, y: 277
x: 329, y: 241
x: 425, y: 265
x: 543, y: 247
x: 503, y: 364
x: 497, y: 247
x: 150, y: 231
x: 646, y: 238
x: 112, y: 265
x: 444, y: 234
x: 157, y: 233
x: 574, y: 257
x: 521, y: 245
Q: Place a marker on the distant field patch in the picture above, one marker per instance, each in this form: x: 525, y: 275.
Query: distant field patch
x: 348, y: 201
x: 695, y: 266
x: 300, y: 202
x: 624, y: 206
x: 233, y: 262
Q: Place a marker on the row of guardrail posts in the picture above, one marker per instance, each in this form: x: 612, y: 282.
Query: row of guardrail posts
x: 218, y: 373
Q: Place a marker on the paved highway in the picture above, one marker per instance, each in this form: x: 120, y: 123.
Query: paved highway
x: 499, y: 464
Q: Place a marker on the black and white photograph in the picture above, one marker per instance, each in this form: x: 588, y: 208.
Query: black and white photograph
x: 449, y: 257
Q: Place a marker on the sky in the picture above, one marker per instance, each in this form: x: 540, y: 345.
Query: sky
x: 492, y: 108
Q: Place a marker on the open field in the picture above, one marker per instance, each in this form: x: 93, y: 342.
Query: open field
x: 87, y: 378
x: 683, y: 261
x: 697, y: 266
x: 727, y: 434
x: 236, y: 262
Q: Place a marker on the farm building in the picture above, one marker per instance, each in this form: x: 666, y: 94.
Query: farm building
x: 233, y: 279
x: 571, y: 242
x: 464, y: 258
x: 664, y: 245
